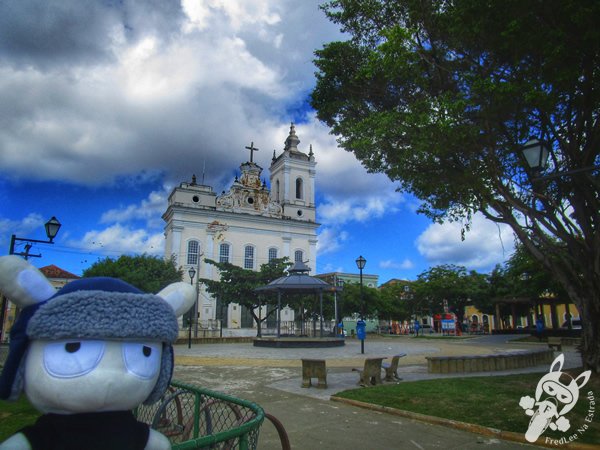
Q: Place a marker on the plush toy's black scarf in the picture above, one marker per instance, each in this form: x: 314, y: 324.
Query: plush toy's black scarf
x: 115, y: 430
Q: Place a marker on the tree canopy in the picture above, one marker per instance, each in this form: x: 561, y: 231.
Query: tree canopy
x: 237, y: 285
x: 148, y: 273
x: 442, y: 95
x: 451, y: 284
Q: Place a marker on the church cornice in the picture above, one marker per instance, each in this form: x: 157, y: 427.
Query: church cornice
x: 208, y: 216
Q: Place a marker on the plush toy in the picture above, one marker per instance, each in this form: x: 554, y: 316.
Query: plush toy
x: 86, y: 356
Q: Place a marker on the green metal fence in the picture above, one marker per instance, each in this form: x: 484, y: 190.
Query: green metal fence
x: 193, y: 418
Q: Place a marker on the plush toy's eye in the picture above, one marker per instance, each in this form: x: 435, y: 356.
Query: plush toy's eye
x: 142, y: 359
x: 68, y: 359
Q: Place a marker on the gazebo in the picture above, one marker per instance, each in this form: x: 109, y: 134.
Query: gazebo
x: 298, y: 281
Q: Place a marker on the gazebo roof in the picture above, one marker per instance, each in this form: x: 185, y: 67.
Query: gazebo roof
x: 297, y: 280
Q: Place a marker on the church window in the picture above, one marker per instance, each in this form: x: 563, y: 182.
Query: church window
x: 224, y: 253
x: 272, y: 254
x: 193, y: 248
x: 298, y: 256
x: 299, y: 188
x: 249, y: 257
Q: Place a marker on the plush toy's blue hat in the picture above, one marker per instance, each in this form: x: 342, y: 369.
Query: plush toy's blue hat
x: 93, y: 308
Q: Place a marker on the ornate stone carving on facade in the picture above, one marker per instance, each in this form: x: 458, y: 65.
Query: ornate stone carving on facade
x: 218, y: 229
x: 249, y: 195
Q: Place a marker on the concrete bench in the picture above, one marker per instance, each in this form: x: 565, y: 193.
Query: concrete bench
x: 391, y: 368
x: 314, y: 368
x: 489, y: 363
x: 370, y: 374
x: 555, y: 343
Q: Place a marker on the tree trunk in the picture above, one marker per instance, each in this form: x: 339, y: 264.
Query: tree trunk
x: 258, y: 323
x: 577, y: 269
x: 590, y: 333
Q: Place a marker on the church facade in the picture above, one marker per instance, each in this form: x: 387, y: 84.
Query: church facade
x: 248, y: 225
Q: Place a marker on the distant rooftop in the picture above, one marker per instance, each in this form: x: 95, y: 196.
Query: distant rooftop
x: 53, y: 271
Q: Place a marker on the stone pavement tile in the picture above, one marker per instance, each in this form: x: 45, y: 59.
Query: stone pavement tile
x: 272, y: 379
x: 313, y: 422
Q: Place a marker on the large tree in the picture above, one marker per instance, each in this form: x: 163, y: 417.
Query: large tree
x: 237, y: 285
x: 442, y: 95
x: 452, y: 284
x: 147, y: 273
x: 353, y: 305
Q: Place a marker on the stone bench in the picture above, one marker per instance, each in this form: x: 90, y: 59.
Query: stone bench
x: 370, y: 374
x: 489, y: 363
x: 314, y: 368
x: 555, y: 343
x: 391, y: 368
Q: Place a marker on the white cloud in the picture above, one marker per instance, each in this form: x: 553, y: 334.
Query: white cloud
x: 335, y: 211
x: 485, y: 245
x: 149, y: 209
x: 122, y: 240
x: 184, y: 86
x: 392, y: 264
x: 331, y: 268
x: 330, y: 240
x: 28, y: 226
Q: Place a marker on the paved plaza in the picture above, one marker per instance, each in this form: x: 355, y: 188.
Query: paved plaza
x: 271, y: 377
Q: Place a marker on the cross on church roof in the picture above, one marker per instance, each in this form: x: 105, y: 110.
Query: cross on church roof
x: 252, y: 150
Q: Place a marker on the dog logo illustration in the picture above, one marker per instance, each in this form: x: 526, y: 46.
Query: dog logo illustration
x: 555, y: 395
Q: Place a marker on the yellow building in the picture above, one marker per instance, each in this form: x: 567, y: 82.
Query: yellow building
x: 520, y: 313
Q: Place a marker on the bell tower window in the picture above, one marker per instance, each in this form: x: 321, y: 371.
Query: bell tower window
x: 299, y: 189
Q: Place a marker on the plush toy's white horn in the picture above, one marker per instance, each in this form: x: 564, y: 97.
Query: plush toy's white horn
x: 22, y: 283
x: 181, y: 296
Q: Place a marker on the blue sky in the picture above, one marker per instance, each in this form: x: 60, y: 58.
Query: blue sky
x: 105, y: 107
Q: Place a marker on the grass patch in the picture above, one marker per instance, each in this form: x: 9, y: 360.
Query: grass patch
x: 16, y: 415
x: 491, y: 401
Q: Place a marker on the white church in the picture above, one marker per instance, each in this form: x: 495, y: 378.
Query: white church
x: 247, y: 226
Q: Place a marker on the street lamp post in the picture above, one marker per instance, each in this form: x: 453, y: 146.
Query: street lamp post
x: 536, y: 154
x: 192, y: 274
x: 51, y: 227
x: 360, y: 263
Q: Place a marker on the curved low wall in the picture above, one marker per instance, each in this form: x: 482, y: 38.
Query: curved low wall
x: 298, y: 342
x: 489, y: 363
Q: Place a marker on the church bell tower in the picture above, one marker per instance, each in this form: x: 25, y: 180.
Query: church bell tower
x: 293, y: 180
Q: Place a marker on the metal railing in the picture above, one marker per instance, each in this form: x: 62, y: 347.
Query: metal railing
x: 193, y: 418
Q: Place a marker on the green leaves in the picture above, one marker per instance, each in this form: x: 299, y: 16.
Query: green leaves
x: 441, y: 96
x: 148, y: 273
x: 236, y: 285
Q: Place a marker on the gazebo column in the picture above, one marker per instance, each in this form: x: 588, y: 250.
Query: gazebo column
x: 540, y: 311
x: 278, y: 313
x: 553, y: 315
x: 530, y: 316
x: 321, y: 311
x: 497, y: 317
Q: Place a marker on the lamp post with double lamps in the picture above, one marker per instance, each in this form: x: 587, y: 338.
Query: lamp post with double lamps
x: 360, y: 263
x: 51, y: 227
